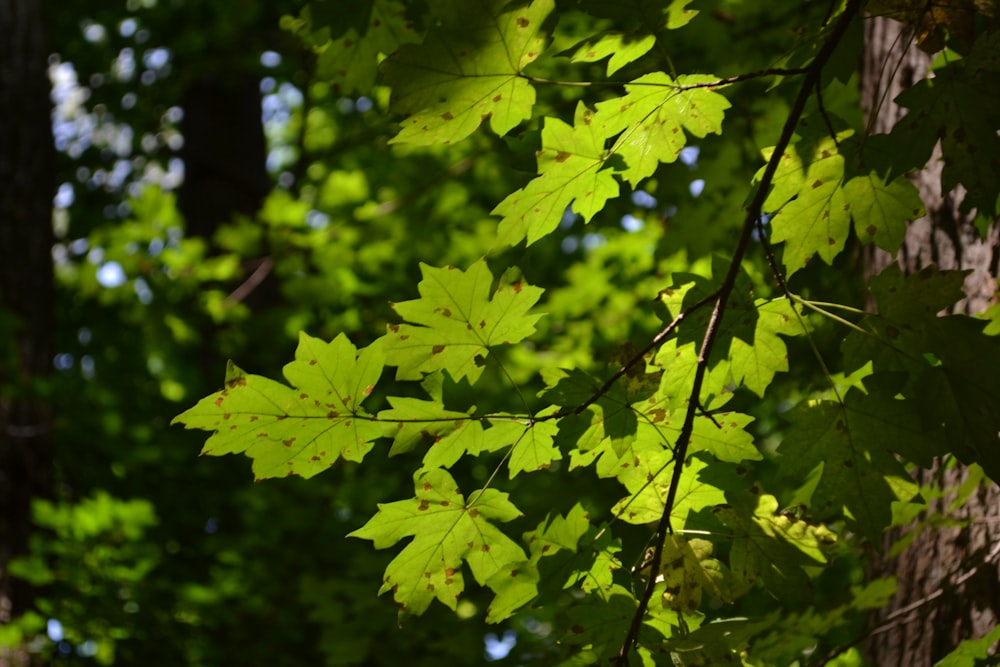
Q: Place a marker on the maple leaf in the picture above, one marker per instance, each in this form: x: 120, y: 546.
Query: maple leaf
x: 818, y: 220
x: 649, y: 482
x: 848, y: 444
x: 652, y: 117
x: 456, y: 322
x: 299, y: 430
x: 349, y: 61
x: 748, y: 351
x: 517, y: 586
x: 884, y: 209
x: 571, y: 167
x: 447, y: 530
x: 534, y: 448
x: 467, y: 70
x: 688, y: 572
x: 950, y: 363
x: 958, y: 106
x: 771, y: 546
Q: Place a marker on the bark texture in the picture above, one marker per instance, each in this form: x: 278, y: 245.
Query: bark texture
x: 26, y: 290
x: 949, y: 585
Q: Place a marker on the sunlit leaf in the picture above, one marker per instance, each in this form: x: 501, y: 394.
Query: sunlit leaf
x: 467, y: 70
x: 457, y: 320
x: 299, y: 430
x: 447, y: 530
x: 572, y: 171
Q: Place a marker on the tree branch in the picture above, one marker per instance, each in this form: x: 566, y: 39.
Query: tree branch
x: 724, y: 292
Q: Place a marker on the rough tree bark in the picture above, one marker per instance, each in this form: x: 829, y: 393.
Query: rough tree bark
x: 948, y: 580
x: 26, y: 290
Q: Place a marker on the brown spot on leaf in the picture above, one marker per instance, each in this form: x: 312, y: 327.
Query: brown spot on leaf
x: 332, y: 414
x: 871, y: 229
x: 485, y: 548
x: 253, y: 418
x: 447, y: 115
x: 303, y: 396
x: 444, y: 503
x: 313, y: 362
x: 437, y: 349
x: 241, y: 381
x: 517, y: 287
x: 562, y: 156
x: 659, y: 414
x: 394, y: 328
x: 522, y: 22
x: 497, y: 98
x: 218, y: 401
x: 368, y: 390
x: 289, y: 442
x: 423, y: 505
x: 831, y: 241
x: 314, y: 459
x: 817, y: 183
x: 474, y: 513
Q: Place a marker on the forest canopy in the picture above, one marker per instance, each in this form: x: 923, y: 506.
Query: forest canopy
x: 557, y: 331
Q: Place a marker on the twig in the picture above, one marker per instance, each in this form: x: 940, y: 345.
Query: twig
x: 725, y: 81
x: 725, y: 290
x: 252, y: 282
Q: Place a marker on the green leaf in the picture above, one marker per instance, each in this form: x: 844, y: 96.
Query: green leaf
x: 652, y: 116
x: 623, y: 49
x: 881, y: 210
x: 748, y: 351
x: 534, y: 449
x: 554, y: 536
x: 649, y: 482
x: 850, y: 442
x: 467, y: 70
x: 446, y: 531
x: 456, y: 322
x: 349, y: 61
x: 689, y: 571
x: 770, y: 546
x: 571, y: 167
x: 818, y: 220
x: 958, y: 106
x: 448, y: 435
x: 299, y: 430
x: 948, y: 363
x: 971, y: 652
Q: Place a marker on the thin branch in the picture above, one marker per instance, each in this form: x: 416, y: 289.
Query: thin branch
x: 725, y: 81
x: 754, y: 212
x: 252, y: 282
x: 824, y: 116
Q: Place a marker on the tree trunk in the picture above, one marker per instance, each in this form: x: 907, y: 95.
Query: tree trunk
x: 948, y: 581
x: 26, y: 290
